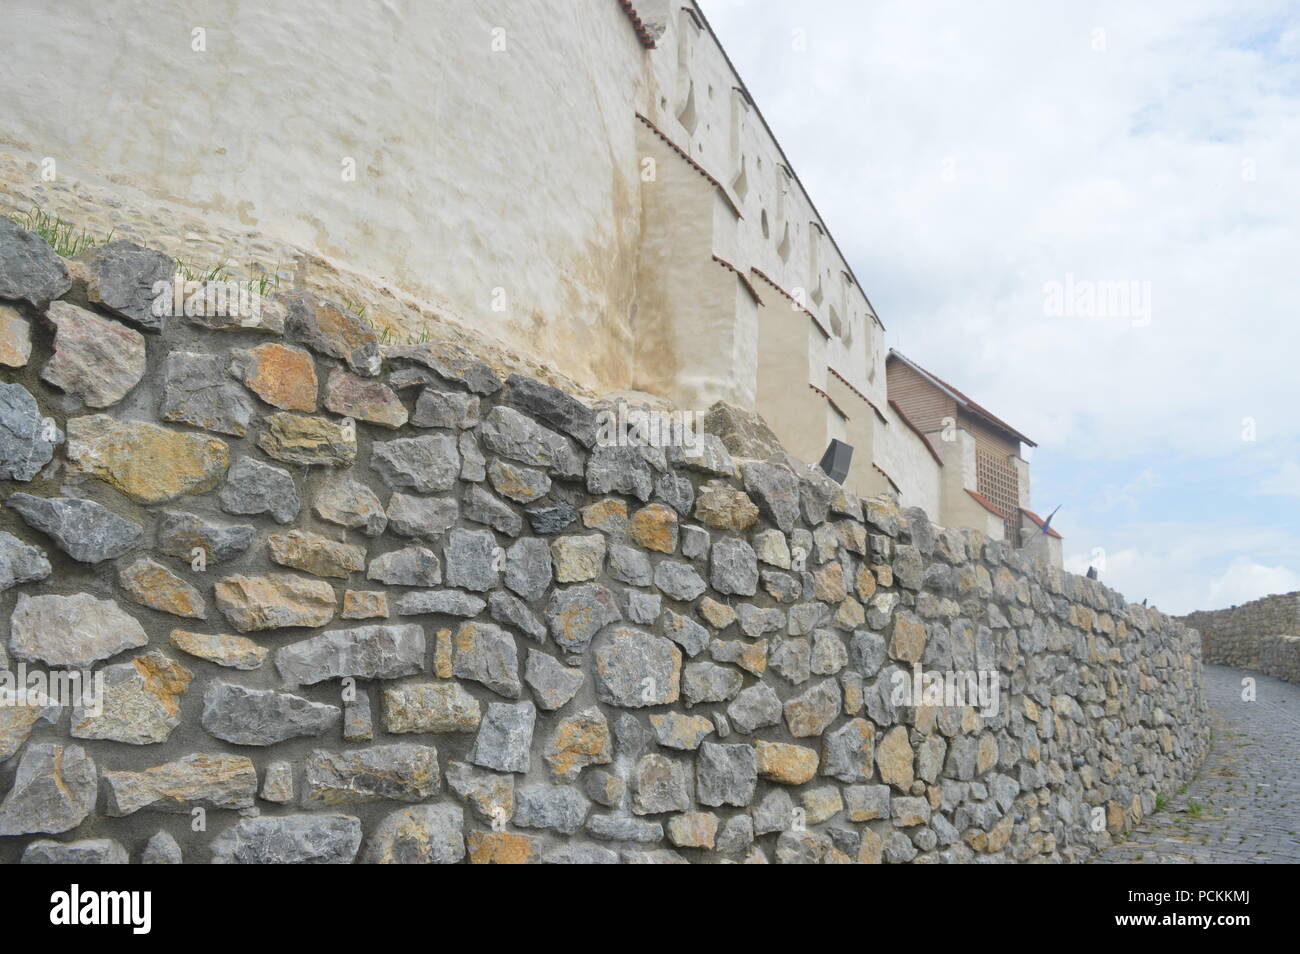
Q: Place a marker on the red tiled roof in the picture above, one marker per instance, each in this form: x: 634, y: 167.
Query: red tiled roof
x: 917, y: 431
x: 986, y: 503
x: 642, y: 33
x: 961, y: 398
x: 694, y: 165
x: 749, y: 286
x: 1039, y: 521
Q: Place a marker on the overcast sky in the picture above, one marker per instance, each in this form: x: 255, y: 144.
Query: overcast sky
x: 967, y: 156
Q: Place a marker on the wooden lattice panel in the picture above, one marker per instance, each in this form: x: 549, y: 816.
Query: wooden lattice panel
x: 996, y: 479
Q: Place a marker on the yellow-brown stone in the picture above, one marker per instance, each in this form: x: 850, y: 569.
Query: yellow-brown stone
x: 605, y: 788
x: 221, y: 781
x: 822, y: 803
x: 894, y: 759
x: 909, y: 812
x: 786, y: 764
x: 866, y: 583
x: 237, y: 652
x: 607, y: 515
x: 490, y: 795
x: 520, y: 484
x: 163, y: 679
x: 148, y: 463
x: 724, y: 507
x: 926, y: 719
x: 1000, y: 834
x: 15, y: 338
x: 577, y: 558
x: 500, y: 848
x: 430, y: 707
x: 365, y: 604
x: 654, y: 527
x: 281, y: 376
x: 828, y: 583
x: 341, y: 333
x: 312, y: 441
x: 718, y: 615
x: 442, y: 664
x: 274, y: 601
x: 316, y: 554
x: 853, y: 696
x: 693, y: 829
x: 19, y: 711
x: 752, y: 657
x: 141, y: 702
x: 1115, y: 817
x: 852, y: 536
x: 870, y: 848
x: 908, y: 640
x: 676, y: 730
x: 850, y: 614
x: 151, y: 584
x: 579, y: 741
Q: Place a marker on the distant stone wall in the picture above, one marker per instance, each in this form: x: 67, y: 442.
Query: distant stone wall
x: 1280, y: 656
x: 353, y: 601
x: 1260, y: 635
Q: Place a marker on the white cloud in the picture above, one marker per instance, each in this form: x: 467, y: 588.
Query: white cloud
x: 1245, y: 580
x: 1181, y: 567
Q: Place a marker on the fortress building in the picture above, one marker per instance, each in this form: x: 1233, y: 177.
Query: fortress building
x: 583, y: 186
x: 984, y: 477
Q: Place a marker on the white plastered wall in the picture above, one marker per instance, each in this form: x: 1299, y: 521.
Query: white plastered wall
x: 483, y: 157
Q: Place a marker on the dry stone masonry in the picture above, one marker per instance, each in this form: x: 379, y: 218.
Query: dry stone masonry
x: 357, y: 602
x: 1263, y: 635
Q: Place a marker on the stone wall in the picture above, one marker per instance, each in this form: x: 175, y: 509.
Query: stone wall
x: 1263, y: 635
x: 364, y: 602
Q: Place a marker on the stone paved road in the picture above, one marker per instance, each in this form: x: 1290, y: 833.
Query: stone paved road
x: 1244, y: 804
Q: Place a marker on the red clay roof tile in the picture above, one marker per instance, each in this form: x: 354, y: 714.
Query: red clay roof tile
x: 961, y: 398
x: 986, y: 503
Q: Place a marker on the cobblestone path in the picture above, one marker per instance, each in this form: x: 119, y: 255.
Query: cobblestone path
x: 1244, y: 804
